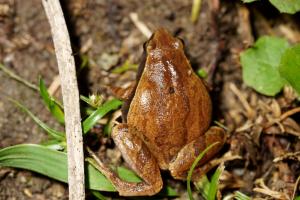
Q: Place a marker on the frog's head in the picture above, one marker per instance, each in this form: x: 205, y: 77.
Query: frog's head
x: 162, y: 39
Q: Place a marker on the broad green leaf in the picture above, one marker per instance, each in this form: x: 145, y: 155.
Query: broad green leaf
x: 260, y: 65
x: 53, y: 106
x: 213, y: 187
x: 53, y: 164
x: 286, y: 6
x: 190, y: 172
x: 50, y: 163
x: 289, y: 67
x: 128, y: 175
x: 53, y: 133
x: 99, y: 113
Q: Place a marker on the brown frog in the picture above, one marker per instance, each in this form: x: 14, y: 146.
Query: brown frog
x: 165, y: 121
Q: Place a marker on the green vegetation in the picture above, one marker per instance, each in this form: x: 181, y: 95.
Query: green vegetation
x: 270, y: 64
x: 209, y: 189
x: 48, y: 159
x: 284, y: 6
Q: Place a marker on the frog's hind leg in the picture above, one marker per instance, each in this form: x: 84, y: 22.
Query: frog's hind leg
x: 139, y: 158
x: 187, y: 155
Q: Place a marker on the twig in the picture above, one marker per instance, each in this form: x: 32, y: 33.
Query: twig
x: 18, y: 78
x: 140, y: 25
x: 296, y: 188
x: 243, y: 100
x: 283, y: 116
x: 70, y: 94
x: 54, y: 85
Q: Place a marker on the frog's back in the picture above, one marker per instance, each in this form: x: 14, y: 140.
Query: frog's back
x: 171, y: 105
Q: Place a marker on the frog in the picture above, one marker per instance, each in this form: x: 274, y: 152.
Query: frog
x: 166, y: 120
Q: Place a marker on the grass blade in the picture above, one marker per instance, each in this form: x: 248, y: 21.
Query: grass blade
x: 99, y: 113
x: 14, y: 76
x: 50, y: 163
x: 195, y: 10
x: 125, y: 67
x: 189, y: 176
x: 203, y: 186
x: 98, y: 195
x: 54, y: 107
x: 212, y: 192
x: 53, y: 133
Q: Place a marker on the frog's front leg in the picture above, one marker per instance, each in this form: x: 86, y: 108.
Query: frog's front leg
x: 187, y: 155
x: 140, y: 159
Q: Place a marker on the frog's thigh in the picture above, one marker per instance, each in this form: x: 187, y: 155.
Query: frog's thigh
x: 138, y: 156
x: 186, y: 156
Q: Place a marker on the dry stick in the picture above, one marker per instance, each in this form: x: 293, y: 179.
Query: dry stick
x: 283, y: 116
x: 70, y: 94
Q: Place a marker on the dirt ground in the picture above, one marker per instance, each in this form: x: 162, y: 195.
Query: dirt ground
x: 104, y: 32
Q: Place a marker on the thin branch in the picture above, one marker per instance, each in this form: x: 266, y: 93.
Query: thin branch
x: 283, y: 117
x: 70, y: 94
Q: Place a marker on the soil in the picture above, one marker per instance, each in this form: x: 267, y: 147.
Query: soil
x: 104, y: 32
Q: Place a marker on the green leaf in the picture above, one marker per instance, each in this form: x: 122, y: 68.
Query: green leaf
x: 50, y: 163
x: 99, y: 113
x: 297, y: 198
x: 190, y: 172
x: 53, y: 106
x: 94, y: 101
x: 260, y: 65
x: 168, y: 191
x: 53, y: 164
x: 213, y: 187
x: 203, y: 186
x: 55, y: 145
x: 128, y: 175
x: 289, y: 67
x: 286, y: 6
x: 53, y: 133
